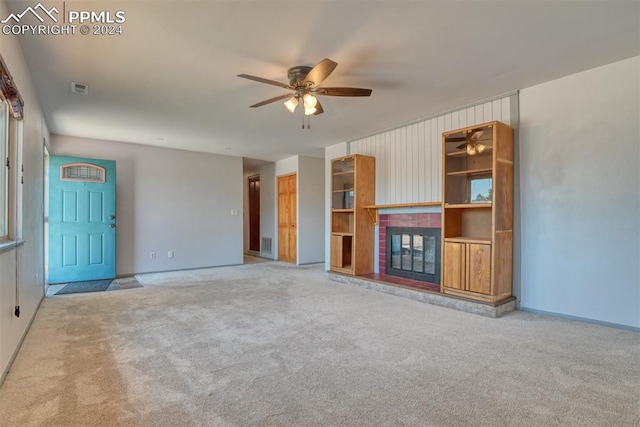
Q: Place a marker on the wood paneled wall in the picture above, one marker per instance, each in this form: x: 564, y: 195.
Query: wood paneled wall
x: 408, y: 158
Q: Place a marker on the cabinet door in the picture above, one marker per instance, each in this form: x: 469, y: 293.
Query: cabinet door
x: 336, y: 251
x: 453, y: 274
x: 479, y: 276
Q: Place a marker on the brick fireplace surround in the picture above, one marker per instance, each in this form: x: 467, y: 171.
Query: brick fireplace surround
x: 428, y: 220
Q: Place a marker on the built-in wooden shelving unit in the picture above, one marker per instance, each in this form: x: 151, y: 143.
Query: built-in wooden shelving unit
x: 477, y: 212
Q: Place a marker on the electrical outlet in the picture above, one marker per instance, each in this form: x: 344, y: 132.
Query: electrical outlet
x: 170, y: 254
x: 152, y: 255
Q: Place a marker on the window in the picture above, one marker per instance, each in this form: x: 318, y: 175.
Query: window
x: 11, y: 113
x: 83, y: 172
x: 481, y: 190
x: 4, y: 170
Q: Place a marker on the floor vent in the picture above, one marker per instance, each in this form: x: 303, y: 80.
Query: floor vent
x: 266, y: 244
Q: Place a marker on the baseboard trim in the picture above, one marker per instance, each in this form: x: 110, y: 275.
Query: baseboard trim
x: 580, y: 319
x: 7, y: 369
x: 181, y: 269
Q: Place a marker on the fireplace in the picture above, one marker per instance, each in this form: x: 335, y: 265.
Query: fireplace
x: 413, y: 252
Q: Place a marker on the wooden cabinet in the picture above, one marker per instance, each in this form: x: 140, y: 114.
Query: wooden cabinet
x: 352, y: 240
x: 454, y: 257
x: 477, y: 212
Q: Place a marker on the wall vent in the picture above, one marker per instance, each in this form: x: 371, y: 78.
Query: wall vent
x: 81, y: 88
x: 266, y: 244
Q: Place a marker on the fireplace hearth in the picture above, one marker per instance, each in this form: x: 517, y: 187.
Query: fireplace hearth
x: 413, y: 253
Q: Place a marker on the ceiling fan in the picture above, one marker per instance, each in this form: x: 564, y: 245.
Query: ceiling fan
x: 304, y: 81
x: 473, y: 143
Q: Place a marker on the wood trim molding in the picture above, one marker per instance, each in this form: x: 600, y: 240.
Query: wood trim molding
x: 10, y: 92
x: 372, y: 210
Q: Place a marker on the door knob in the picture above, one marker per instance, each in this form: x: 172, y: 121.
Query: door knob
x: 112, y: 217
x: 112, y: 226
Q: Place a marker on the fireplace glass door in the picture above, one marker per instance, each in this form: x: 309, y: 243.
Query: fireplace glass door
x: 414, y: 253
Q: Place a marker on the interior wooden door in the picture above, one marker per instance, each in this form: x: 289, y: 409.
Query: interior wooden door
x: 287, y: 215
x: 254, y: 213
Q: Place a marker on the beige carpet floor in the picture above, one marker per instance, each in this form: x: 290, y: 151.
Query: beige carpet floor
x: 269, y: 344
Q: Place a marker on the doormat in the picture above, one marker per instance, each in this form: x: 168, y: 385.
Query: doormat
x: 87, y: 286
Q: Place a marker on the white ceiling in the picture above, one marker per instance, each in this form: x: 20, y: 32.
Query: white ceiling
x: 170, y: 79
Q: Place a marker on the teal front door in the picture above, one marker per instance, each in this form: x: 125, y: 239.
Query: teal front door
x: 82, y: 219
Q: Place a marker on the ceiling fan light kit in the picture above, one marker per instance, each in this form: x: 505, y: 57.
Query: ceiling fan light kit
x: 304, y: 81
x: 477, y: 148
x: 291, y: 103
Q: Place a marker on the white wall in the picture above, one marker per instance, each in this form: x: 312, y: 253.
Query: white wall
x: 310, y: 210
x: 268, y: 206
x: 286, y: 167
x: 169, y: 200
x: 29, y: 257
x: 580, y: 194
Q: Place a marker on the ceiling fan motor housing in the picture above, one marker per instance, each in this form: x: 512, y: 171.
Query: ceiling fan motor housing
x: 297, y: 74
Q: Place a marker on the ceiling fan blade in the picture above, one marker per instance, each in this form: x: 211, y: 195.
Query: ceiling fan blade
x: 476, y: 134
x: 319, y: 109
x: 461, y: 146
x: 267, y: 81
x: 270, y: 100
x: 458, y: 139
x: 320, y: 72
x: 343, y: 91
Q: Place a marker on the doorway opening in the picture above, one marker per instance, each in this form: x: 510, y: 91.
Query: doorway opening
x: 254, y: 213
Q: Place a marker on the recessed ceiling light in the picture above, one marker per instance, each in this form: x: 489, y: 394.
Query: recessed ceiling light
x: 81, y: 88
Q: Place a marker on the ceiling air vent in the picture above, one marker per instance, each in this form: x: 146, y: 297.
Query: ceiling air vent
x: 80, y: 88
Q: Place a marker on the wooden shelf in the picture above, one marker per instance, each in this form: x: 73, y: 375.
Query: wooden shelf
x: 341, y: 234
x: 342, y: 173
x: 403, y: 205
x: 343, y: 191
x: 372, y: 210
x: 468, y: 206
x: 464, y: 153
x: 481, y: 240
x: 342, y: 210
x: 469, y: 172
